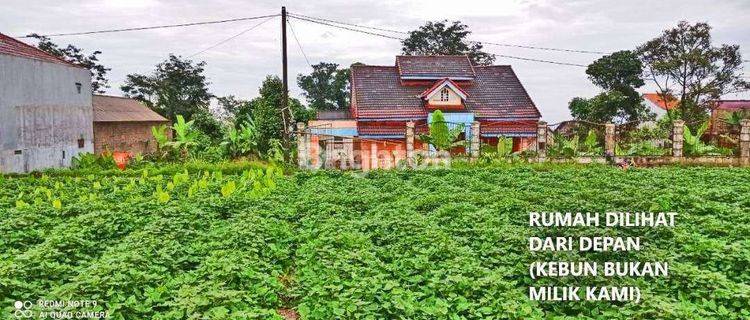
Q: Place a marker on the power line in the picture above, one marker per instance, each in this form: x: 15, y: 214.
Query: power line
x: 397, y: 38
x: 540, y: 48
x: 349, y: 24
x: 153, y: 27
x: 473, y: 41
x: 541, y: 60
x: 230, y: 38
x: 294, y: 34
x: 347, y: 28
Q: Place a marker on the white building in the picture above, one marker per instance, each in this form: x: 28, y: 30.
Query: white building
x: 45, y: 109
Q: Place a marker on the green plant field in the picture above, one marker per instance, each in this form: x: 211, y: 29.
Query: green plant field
x: 430, y: 244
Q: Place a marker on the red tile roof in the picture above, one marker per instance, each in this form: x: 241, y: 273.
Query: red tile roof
x: 435, y: 67
x: 120, y: 109
x: 508, y: 127
x: 656, y: 99
x: 13, y: 47
x: 377, y: 93
x: 496, y: 92
x: 732, y: 104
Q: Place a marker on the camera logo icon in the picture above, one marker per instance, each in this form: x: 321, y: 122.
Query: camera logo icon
x: 23, y: 309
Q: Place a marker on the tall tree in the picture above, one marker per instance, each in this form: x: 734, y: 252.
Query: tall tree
x: 684, y: 63
x: 233, y: 109
x: 266, y: 112
x: 76, y: 56
x: 619, y: 75
x: 176, y: 87
x: 444, y: 38
x: 326, y: 88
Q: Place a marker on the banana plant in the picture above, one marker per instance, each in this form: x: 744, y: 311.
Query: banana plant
x: 693, y: 145
x: 591, y: 144
x: 185, y: 136
x: 440, y: 136
x: 504, y: 146
x: 242, y: 141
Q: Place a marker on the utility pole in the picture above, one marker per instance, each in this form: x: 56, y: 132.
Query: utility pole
x: 286, y: 114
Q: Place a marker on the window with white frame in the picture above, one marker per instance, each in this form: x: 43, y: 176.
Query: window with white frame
x: 445, y: 94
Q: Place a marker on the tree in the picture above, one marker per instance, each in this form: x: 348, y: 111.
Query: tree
x: 76, y: 56
x: 206, y: 122
x: 683, y: 62
x: 619, y: 71
x: 234, y: 109
x: 326, y: 88
x: 266, y: 113
x: 619, y: 75
x: 176, y: 87
x: 442, y: 38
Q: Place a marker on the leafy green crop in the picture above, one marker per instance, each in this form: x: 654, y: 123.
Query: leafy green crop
x: 430, y: 244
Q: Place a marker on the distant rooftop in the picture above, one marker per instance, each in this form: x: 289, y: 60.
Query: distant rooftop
x: 12, y: 47
x: 121, y: 109
x: 657, y: 100
x: 732, y: 105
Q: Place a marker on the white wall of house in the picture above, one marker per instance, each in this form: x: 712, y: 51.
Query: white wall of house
x: 42, y: 114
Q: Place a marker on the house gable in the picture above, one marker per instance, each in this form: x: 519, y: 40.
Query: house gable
x: 444, y: 95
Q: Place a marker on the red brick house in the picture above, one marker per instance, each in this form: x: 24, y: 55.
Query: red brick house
x: 721, y: 110
x: 385, y: 98
x: 124, y: 125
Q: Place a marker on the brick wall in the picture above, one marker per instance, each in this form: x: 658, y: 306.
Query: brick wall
x: 133, y: 137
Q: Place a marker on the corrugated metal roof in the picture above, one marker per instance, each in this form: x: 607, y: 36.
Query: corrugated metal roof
x: 121, y: 109
x: 13, y: 47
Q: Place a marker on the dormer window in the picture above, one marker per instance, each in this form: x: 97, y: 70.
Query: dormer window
x: 445, y: 94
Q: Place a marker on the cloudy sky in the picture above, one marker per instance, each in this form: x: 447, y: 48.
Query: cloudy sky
x: 238, y: 66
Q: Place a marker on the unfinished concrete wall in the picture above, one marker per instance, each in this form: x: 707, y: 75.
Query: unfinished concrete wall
x: 45, y: 119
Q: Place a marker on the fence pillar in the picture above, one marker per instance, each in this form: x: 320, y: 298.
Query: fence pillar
x: 410, y: 160
x: 373, y: 155
x: 474, y: 140
x: 745, y: 142
x: 541, y: 140
x: 609, y: 139
x: 677, y: 138
x: 302, y: 150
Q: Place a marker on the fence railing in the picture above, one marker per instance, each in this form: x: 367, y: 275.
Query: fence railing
x: 351, y: 152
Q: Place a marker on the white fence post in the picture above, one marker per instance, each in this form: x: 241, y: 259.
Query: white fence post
x: 474, y: 140
x: 541, y: 140
x: 302, y: 151
x: 745, y: 142
x: 609, y: 139
x: 677, y: 138
x: 410, y: 160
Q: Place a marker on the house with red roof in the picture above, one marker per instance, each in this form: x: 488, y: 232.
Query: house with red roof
x: 45, y: 108
x: 722, y: 110
x: 658, y: 105
x: 385, y: 98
